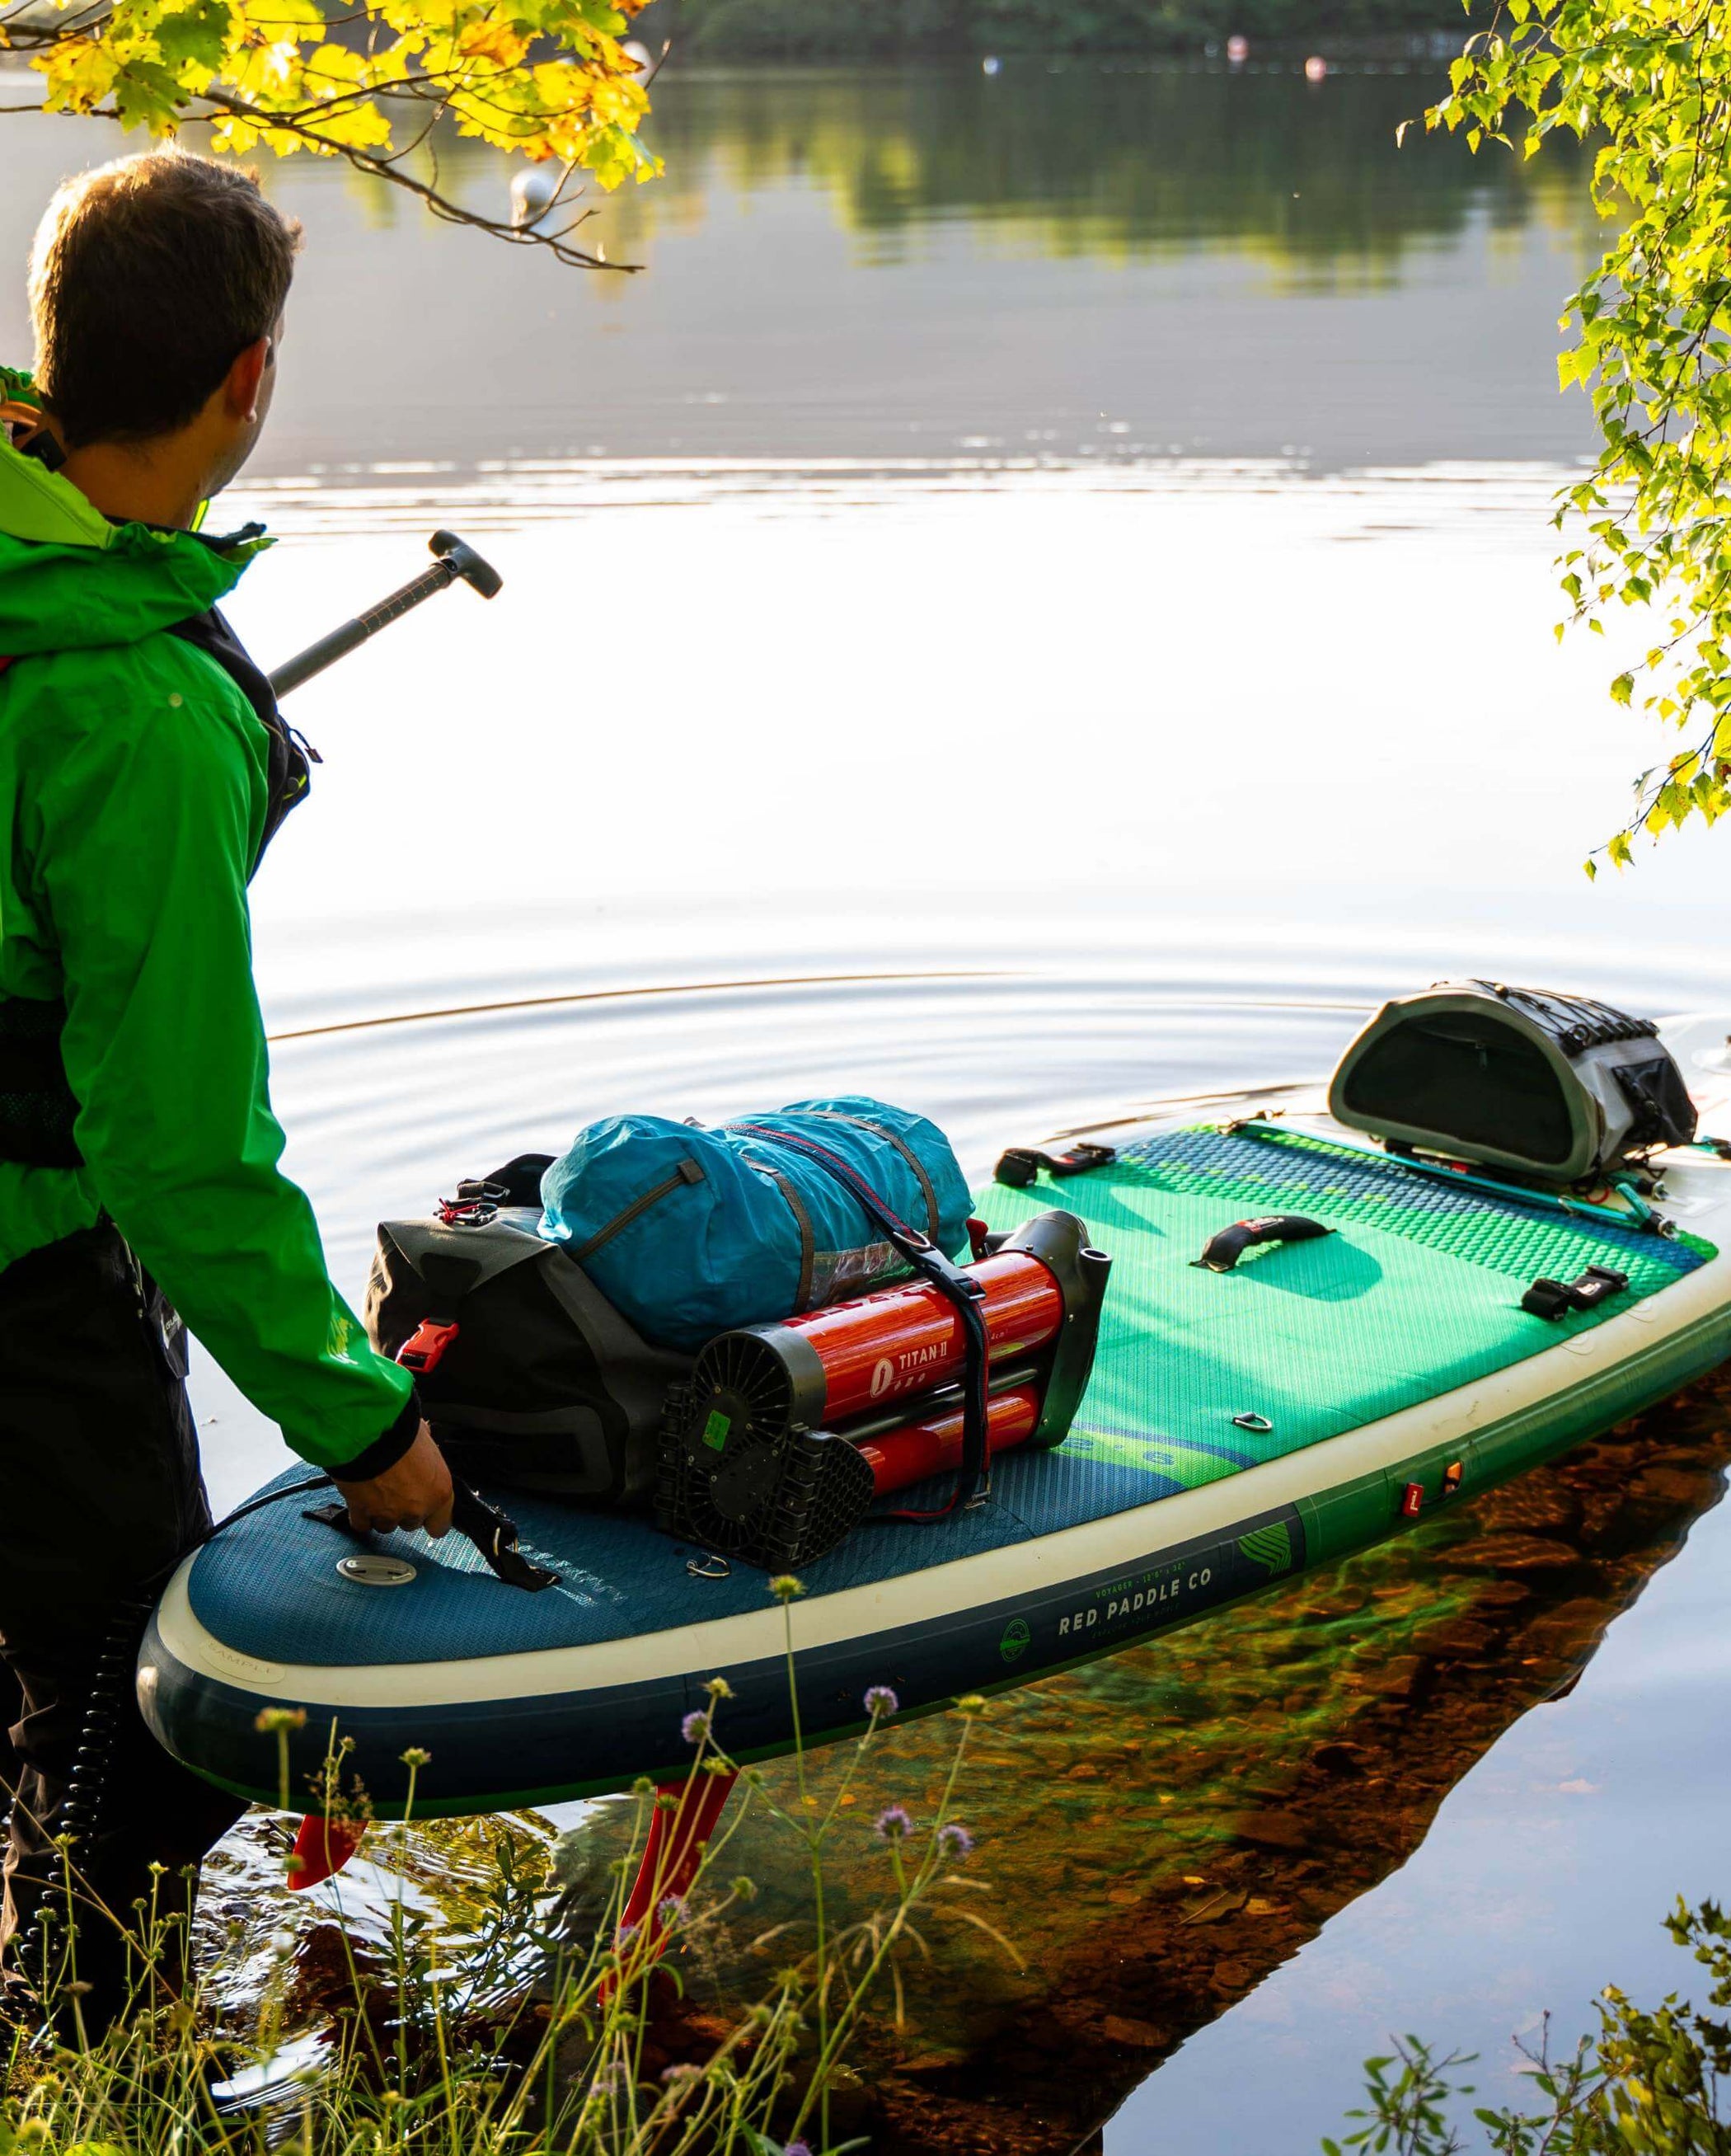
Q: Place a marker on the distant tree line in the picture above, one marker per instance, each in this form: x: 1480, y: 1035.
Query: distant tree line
x: 892, y: 29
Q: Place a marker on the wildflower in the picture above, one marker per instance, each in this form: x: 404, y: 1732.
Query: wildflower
x: 881, y: 1699
x: 718, y: 1688
x: 955, y: 1839
x: 273, y: 1720
x: 695, y: 1727
x: 786, y: 1587
x: 415, y: 1758
x: 612, y: 2079
x: 679, y: 2072
x: 970, y: 1702
x: 797, y: 2149
x: 670, y: 1913
x: 894, y: 1823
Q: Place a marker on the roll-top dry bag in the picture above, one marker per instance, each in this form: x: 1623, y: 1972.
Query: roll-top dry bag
x: 526, y: 1371
x: 1553, y: 1086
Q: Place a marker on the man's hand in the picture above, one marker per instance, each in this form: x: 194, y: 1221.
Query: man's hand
x: 415, y: 1493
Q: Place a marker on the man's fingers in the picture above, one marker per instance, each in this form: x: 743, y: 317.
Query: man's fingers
x: 438, y: 1520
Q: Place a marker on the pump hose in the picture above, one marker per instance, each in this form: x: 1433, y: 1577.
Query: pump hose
x: 80, y: 1809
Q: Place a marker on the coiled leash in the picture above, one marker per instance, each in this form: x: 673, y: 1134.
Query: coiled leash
x: 962, y: 1289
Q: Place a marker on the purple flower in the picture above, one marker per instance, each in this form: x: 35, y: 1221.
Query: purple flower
x: 797, y: 2149
x: 670, y: 1912
x: 674, y: 2075
x: 624, y: 1936
x: 955, y: 1839
x: 882, y: 1701
x: 695, y: 1727
x: 893, y: 1823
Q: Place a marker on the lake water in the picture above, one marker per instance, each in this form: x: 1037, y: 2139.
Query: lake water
x: 1037, y: 596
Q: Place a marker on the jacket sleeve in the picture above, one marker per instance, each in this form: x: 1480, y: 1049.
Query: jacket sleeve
x: 150, y: 818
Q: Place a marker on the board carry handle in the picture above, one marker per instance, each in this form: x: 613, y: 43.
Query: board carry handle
x: 494, y: 1534
x: 1223, y: 1251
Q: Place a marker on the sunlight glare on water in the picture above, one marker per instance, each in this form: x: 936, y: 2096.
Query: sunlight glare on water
x: 1022, y: 635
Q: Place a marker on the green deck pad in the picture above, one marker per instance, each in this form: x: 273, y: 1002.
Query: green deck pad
x: 1418, y: 1291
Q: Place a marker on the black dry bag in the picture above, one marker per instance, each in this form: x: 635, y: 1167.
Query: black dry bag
x: 526, y: 1371
x: 1553, y: 1086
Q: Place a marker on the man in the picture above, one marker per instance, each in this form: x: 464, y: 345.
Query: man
x: 143, y: 769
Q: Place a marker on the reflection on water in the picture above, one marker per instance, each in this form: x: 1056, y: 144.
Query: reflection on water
x: 1157, y: 1835
x: 1162, y: 1831
x: 1114, y: 159
x: 1099, y: 260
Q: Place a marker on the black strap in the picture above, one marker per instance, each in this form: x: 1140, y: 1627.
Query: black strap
x: 808, y: 1241
x: 962, y: 1289
x: 289, y: 772
x: 37, y: 1108
x: 934, y: 1214
x: 493, y: 1532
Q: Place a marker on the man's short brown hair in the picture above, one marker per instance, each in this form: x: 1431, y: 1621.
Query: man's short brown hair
x: 149, y: 278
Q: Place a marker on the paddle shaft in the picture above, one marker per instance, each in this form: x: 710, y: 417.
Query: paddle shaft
x: 338, y: 644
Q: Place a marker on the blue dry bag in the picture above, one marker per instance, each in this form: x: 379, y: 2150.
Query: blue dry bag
x: 691, y: 1232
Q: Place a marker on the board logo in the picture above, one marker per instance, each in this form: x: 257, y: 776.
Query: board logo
x: 1269, y: 1547
x: 882, y: 1377
x: 1015, y: 1640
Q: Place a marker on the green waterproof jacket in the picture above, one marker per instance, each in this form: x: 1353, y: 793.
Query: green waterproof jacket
x: 132, y: 808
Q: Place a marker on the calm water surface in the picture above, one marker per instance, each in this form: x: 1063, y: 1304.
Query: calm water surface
x: 1037, y: 597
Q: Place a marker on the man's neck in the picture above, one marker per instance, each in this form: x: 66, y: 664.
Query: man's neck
x: 135, y: 486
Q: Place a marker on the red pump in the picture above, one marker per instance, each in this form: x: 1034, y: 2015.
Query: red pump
x: 787, y: 1432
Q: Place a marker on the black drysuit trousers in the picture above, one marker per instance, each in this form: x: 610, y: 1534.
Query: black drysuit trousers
x: 100, y: 1494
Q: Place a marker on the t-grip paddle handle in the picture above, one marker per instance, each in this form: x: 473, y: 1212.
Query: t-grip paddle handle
x: 458, y: 561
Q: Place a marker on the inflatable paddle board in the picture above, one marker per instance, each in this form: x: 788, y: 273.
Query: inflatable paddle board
x: 1239, y: 1426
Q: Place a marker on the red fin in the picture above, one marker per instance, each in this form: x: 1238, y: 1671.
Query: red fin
x: 323, y: 1847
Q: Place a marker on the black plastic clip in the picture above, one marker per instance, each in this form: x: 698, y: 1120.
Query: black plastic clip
x: 495, y: 1537
x: 476, y: 1204
x: 1554, y: 1299
x: 1019, y: 1166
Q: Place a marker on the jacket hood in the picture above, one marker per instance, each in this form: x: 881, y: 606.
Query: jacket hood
x: 69, y: 579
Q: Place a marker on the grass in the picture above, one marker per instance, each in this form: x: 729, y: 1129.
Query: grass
x: 425, y: 2052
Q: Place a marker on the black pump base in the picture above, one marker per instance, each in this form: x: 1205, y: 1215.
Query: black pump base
x: 773, y: 1500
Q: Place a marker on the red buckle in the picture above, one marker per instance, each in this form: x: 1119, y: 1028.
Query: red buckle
x: 1412, y: 1498
x: 422, y: 1351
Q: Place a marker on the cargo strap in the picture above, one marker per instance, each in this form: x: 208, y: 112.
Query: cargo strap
x: 961, y: 1288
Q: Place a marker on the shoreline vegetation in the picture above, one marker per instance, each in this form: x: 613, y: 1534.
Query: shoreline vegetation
x: 538, y: 2031
x: 890, y: 30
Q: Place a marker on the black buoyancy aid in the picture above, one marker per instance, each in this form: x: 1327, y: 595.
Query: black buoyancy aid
x: 38, y: 1106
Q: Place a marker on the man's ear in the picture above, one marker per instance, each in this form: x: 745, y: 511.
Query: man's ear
x: 240, y: 387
